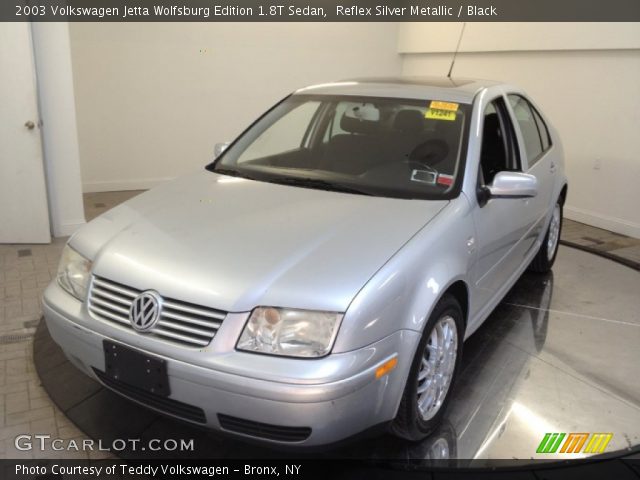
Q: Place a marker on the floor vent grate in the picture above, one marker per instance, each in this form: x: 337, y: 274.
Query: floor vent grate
x: 6, y: 339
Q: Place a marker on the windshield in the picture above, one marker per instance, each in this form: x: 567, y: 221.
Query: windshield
x: 373, y: 146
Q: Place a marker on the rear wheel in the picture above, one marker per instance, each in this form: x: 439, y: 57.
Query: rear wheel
x: 543, y: 261
x: 428, y: 388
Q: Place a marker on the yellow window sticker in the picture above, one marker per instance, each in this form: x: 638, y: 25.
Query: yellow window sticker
x: 449, y: 106
x: 437, y: 114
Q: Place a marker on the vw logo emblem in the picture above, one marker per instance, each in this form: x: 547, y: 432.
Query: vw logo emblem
x: 145, y: 311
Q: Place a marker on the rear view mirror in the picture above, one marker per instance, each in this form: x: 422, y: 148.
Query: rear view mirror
x: 219, y: 148
x: 513, y: 185
x: 509, y: 185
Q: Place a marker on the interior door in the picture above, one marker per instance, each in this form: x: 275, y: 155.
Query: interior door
x: 24, y: 212
x: 502, y: 224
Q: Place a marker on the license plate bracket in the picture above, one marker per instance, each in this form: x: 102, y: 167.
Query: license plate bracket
x: 135, y: 368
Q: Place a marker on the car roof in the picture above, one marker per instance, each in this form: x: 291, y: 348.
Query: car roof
x: 461, y: 90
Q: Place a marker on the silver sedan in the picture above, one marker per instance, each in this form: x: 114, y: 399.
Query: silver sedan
x: 319, y: 278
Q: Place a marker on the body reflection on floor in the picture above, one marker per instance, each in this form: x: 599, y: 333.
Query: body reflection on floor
x: 560, y: 354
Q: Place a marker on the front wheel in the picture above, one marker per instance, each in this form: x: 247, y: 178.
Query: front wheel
x: 543, y: 261
x: 427, y: 391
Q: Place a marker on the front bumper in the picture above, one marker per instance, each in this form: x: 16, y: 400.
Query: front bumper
x: 334, y: 397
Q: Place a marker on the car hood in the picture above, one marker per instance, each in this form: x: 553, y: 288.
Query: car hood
x: 233, y: 244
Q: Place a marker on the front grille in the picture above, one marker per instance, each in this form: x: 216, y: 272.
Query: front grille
x: 167, y: 405
x: 180, y: 322
x: 264, y: 430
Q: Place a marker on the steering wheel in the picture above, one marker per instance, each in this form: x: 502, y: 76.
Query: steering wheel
x: 430, y: 152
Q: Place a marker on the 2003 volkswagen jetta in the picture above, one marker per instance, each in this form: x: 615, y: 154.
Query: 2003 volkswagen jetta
x: 320, y: 276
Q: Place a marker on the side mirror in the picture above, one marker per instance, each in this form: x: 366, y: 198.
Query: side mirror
x: 509, y: 185
x: 219, y: 148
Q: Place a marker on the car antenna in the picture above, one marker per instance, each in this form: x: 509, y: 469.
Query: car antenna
x: 453, y: 60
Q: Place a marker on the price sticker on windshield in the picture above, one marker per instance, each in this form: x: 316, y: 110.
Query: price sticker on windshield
x: 437, y: 114
x: 448, y: 106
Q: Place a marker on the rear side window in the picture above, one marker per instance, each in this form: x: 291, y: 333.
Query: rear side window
x: 533, y: 143
x: 543, y: 130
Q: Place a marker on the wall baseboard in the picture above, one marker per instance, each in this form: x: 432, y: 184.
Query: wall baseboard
x: 606, y: 222
x: 120, y: 185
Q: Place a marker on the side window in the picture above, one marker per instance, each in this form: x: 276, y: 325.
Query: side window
x: 528, y: 127
x: 498, y: 152
x: 544, y: 131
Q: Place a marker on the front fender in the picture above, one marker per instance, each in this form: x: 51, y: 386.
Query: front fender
x: 402, y: 294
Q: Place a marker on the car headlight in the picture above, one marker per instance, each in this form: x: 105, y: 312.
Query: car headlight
x: 74, y: 272
x: 288, y: 332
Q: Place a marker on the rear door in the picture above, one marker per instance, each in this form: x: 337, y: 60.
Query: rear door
x: 537, y: 157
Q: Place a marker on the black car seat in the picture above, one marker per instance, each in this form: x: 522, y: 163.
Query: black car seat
x: 406, y: 132
x: 354, y: 152
x: 493, y: 154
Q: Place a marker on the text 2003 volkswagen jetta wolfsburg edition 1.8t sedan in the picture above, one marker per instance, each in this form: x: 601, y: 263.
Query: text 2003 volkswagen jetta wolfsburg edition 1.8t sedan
x: 320, y: 276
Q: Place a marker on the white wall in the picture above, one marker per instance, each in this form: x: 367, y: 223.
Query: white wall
x: 59, y: 133
x: 586, y: 78
x: 517, y: 36
x: 153, y: 99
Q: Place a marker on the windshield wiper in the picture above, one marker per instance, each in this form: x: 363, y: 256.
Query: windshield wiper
x: 295, y: 181
x: 319, y: 184
x: 233, y: 173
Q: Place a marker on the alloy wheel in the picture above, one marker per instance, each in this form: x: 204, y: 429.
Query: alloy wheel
x: 554, y: 232
x: 436, y: 368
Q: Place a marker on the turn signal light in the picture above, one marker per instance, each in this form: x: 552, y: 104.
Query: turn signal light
x: 386, y: 367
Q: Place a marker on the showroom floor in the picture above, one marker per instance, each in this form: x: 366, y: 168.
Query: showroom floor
x: 25, y: 270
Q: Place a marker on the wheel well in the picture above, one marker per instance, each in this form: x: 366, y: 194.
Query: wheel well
x: 563, y: 193
x: 460, y: 292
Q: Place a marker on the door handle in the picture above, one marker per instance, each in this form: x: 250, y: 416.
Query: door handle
x: 553, y: 167
x: 30, y: 125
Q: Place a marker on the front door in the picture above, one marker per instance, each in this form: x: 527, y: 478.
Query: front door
x: 502, y: 224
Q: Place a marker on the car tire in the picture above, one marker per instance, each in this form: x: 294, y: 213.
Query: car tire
x: 419, y: 413
x: 543, y: 261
